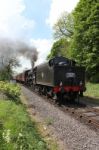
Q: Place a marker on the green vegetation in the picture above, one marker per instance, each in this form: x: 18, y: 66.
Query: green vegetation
x: 64, y: 27
x: 4, y: 75
x: 60, y: 47
x: 92, y: 90
x: 17, y: 131
x: 84, y: 44
x: 10, y: 90
x: 6, y: 72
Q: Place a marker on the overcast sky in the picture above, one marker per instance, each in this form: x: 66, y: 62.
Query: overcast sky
x: 32, y: 21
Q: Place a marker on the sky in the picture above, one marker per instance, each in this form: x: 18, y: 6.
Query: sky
x: 32, y: 21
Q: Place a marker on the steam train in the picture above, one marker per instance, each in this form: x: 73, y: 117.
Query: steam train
x: 58, y: 78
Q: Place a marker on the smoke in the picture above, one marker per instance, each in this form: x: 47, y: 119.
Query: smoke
x: 14, y: 49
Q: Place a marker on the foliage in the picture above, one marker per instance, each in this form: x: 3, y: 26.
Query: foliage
x: 4, y: 75
x: 11, y: 90
x: 17, y: 132
x: 92, y: 90
x: 84, y: 47
x: 63, y: 31
x: 64, y: 26
x: 60, y: 47
x: 7, y: 69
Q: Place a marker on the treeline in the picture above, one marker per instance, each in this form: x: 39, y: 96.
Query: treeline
x: 77, y: 37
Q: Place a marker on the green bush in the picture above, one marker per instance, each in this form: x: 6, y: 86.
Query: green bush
x: 10, y: 90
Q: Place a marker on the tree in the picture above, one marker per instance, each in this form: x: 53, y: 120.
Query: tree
x: 84, y: 45
x: 6, y: 71
x: 64, y: 26
x: 59, y: 47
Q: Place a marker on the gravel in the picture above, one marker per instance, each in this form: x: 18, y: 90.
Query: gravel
x: 73, y: 134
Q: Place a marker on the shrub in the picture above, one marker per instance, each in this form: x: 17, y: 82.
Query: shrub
x: 10, y: 90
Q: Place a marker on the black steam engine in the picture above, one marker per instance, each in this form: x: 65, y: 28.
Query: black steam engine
x: 59, y: 78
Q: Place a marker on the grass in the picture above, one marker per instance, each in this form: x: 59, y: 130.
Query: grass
x: 17, y: 131
x: 92, y: 90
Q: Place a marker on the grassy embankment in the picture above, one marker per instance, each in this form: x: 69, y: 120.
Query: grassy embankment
x: 17, y: 131
x: 92, y: 91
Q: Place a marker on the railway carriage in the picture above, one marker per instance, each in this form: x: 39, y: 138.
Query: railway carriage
x: 22, y: 77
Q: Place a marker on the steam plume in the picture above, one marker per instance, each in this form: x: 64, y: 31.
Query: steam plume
x: 14, y: 49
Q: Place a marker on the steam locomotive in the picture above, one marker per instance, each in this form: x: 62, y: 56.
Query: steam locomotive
x: 58, y: 78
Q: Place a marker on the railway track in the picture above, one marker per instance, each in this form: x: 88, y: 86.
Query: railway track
x: 84, y: 113
x: 88, y: 115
